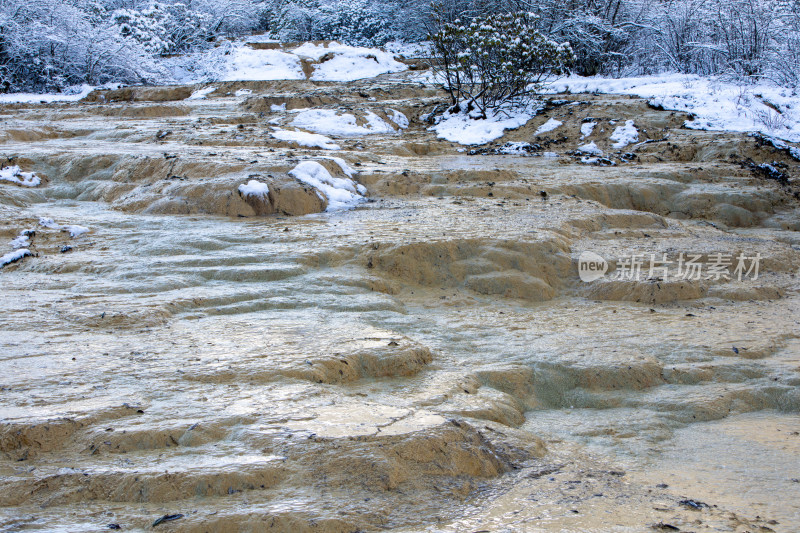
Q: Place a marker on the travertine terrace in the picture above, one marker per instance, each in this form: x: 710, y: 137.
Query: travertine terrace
x: 429, y: 360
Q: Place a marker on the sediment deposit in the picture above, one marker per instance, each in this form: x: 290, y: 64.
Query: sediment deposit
x: 429, y: 360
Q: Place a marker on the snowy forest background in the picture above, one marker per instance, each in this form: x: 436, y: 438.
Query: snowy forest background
x: 47, y: 45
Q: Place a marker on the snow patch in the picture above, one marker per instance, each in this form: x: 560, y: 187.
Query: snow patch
x: 74, y: 230
x: 79, y: 93
x: 349, y: 171
x: 597, y: 161
x: 277, y: 108
x: 302, y: 138
x: 587, y: 128
x: 399, y: 118
x: 254, y: 188
x: 12, y: 257
x: 409, y: 49
x: 339, y: 62
x: 590, y: 148
x: 715, y: 104
x: 48, y: 223
x: 515, y: 148
x: 463, y: 129
x: 780, y: 145
x: 425, y: 78
x: 21, y: 241
x: 341, y: 193
x: 248, y: 64
x: 15, y: 175
x: 261, y: 38
x: 328, y: 122
x: 312, y: 51
x: 550, y: 125
x: 201, y: 93
x: 348, y: 63
x: 625, y: 135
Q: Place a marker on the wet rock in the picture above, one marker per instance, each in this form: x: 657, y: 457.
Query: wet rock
x: 167, y: 518
x: 693, y: 504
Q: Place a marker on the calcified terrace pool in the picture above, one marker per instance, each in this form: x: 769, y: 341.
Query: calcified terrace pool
x: 428, y: 359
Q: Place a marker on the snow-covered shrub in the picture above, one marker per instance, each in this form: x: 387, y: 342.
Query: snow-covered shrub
x: 746, y: 40
x: 164, y: 28
x: 359, y: 22
x: 598, y: 31
x: 784, y: 68
x: 745, y: 34
x: 496, y: 60
x: 47, y: 45
x: 51, y: 44
x: 448, y: 11
x: 231, y: 17
x: 680, y: 28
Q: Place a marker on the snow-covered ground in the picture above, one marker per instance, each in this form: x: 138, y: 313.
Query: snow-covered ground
x: 254, y: 188
x: 717, y: 105
x: 330, y: 122
x: 19, y: 247
x: 201, y: 93
x: 15, y: 175
x: 399, y: 118
x: 548, y: 126
x: 590, y: 149
x: 336, y: 62
x: 33, y: 98
x: 247, y: 64
x: 463, y: 129
x: 625, y: 135
x: 303, y: 138
x: 73, y: 229
x: 23, y: 240
x: 347, y: 63
x: 349, y: 171
x: 341, y: 193
x: 14, y: 256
